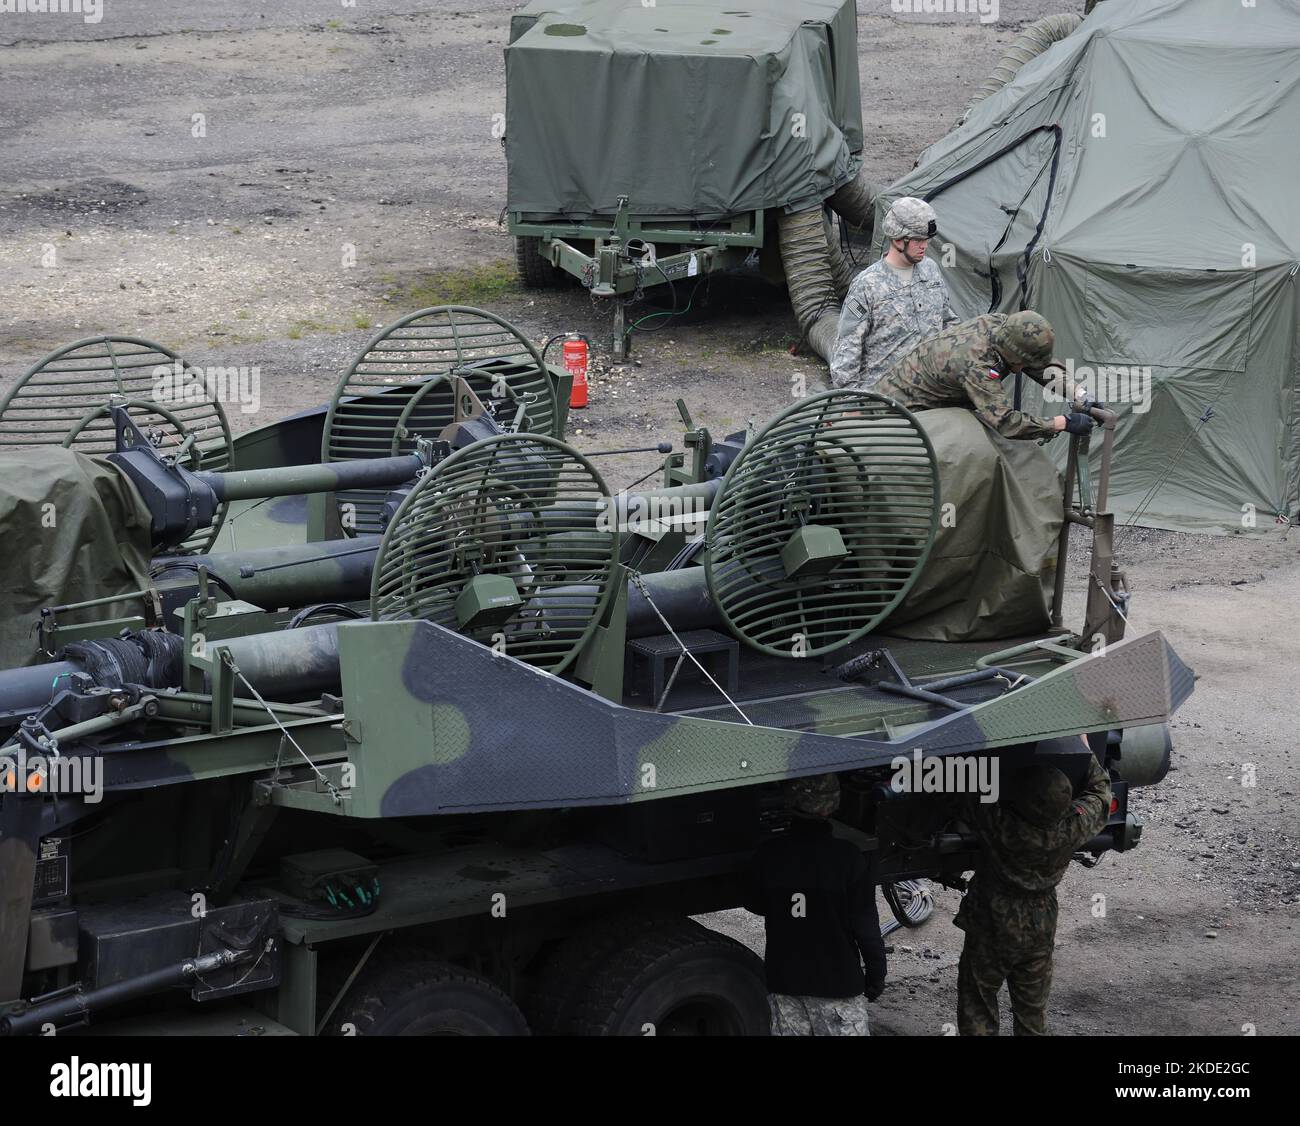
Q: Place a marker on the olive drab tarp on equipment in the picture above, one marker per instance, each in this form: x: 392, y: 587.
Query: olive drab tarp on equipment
x: 1135, y: 183
x: 688, y: 108
x: 82, y: 532
x: 991, y: 570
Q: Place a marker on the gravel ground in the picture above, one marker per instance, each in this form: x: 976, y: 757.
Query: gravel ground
x: 343, y: 171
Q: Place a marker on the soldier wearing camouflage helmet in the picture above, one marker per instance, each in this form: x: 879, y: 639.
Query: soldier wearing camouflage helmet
x: 894, y: 302
x: 968, y: 365
x: 819, y: 903
x: 1009, y: 914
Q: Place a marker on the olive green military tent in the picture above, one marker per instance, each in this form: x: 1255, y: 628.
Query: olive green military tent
x: 1136, y: 183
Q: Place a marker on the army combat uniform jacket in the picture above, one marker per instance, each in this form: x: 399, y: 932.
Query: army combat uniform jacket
x: 883, y: 317
x: 1009, y: 914
x: 1014, y: 889
x: 961, y: 368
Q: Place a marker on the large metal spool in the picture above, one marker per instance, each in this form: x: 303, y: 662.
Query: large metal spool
x: 400, y: 388
x: 64, y: 400
x: 515, y: 512
x: 822, y: 524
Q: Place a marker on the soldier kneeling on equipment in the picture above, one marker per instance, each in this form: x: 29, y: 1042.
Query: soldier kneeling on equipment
x: 1009, y: 914
x: 816, y: 894
x: 967, y: 365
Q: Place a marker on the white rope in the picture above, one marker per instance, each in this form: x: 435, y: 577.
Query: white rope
x: 636, y: 579
x: 285, y: 732
x: 1102, y: 587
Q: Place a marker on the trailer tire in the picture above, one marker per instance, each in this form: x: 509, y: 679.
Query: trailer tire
x: 534, y: 270
x: 568, y: 969
x: 682, y: 981
x: 425, y: 998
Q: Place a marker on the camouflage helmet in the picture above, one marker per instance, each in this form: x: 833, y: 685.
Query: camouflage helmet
x: 1041, y: 795
x: 909, y: 217
x: 818, y: 794
x: 1025, y: 338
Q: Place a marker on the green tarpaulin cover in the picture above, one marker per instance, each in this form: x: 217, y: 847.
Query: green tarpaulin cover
x: 1136, y: 184
x: 688, y: 108
x: 75, y: 529
x: 991, y: 570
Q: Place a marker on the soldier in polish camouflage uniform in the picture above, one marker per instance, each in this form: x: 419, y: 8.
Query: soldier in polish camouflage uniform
x: 819, y: 903
x: 968, y: 365
x: 1009, y: 913
x: 893, y: 303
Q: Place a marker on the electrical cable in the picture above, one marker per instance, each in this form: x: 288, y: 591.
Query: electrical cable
x: 158, y: 572
x: 919, y: 905
x: 321, y: 608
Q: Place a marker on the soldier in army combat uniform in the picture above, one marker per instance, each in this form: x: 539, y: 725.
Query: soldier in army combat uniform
x: 1009, y: 913
x: 819, y: 903
x: 967, y: 366
x: 894, y: 302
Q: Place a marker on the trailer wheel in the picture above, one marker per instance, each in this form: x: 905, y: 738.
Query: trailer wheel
x: 426, y: 998
x: 684, y: 981
x: 534, y: 270
x: 567, y: 971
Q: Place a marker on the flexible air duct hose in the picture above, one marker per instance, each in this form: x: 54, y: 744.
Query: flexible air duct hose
x: 805, y: 256
x: 841, y: 271
x: 1029, y: 44
x: 855, y: 203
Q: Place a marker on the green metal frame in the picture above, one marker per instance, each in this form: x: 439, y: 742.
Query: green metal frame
x: 611, y: 272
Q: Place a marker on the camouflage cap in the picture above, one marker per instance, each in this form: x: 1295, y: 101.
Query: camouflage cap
x: 1041, y: 795
x: 818, y: 794
x: 909, y: 217
x: 1026, y: 338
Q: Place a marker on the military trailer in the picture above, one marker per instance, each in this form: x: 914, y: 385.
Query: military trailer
x: 655, y: 145
x: 390, y: 717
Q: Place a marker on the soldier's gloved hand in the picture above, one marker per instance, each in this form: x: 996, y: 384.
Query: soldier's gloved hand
x: 1079, y: 423
x: 873, y: 989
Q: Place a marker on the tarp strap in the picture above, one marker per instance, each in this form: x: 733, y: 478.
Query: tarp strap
x: 1021, y: 274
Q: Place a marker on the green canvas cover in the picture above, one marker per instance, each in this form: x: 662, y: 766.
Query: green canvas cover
x: 1135, y: 184
x: 687, y: 107
x: 993, y: 565
x: 76, y: 529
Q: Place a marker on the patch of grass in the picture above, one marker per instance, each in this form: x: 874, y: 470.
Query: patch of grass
x: 236, y: 230
x: 243, y: 314
x: 477, y: 285
x: 306, y: 324
x: 361, y: 321
x: 334, y: 25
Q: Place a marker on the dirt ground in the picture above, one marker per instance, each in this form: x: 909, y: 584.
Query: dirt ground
x: 331, y: 134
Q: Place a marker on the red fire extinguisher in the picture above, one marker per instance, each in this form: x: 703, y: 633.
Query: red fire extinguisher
x: 575, y: 363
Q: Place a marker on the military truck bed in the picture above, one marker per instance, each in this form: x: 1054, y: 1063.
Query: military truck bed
x: 808, y: 696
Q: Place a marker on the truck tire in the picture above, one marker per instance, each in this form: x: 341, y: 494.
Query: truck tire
x: 425, y: 998
x: 534, y: 270
x: 680, y: 981
x: 567, y: 971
